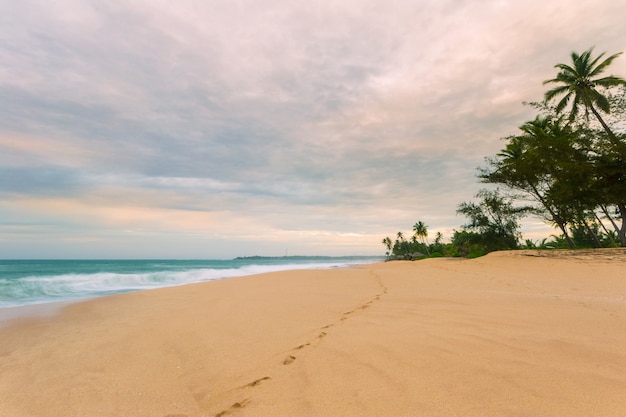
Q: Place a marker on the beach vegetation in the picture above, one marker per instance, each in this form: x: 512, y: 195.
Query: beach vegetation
x: 420, y: 230
x: 564, y: 166
x: 573, y: 168
x: 539, y: 164
x: 531, y: 244
x: 467, y: 244
x: 581, y: 85
x: 389, y: 245
x: 415, y: 248
x: 495, y: 219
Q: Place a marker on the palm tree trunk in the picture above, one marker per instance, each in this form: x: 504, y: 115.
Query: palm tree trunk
x: 605, y: 229
x: 570, y: 242
x: 424, y: 242
x: 592, y: 233
x: 622, y: 231
x: 556, y: 218
x: 619, y: 146
x: 583, y: 219
x: 608, y: 216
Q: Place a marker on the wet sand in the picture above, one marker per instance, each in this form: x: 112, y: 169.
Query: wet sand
x: 530, y: 333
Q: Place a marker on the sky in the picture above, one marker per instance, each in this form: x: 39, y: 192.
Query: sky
x: 222, y: 128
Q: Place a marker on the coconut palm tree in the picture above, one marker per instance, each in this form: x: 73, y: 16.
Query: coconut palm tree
x: 421, y: 231
x: 401, y: 246
x: 579, y: 84
x: 388, y: 244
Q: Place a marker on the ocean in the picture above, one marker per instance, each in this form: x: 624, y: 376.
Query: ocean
x: 30, y: 282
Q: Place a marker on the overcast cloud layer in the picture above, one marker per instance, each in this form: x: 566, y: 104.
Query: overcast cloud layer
x: 213, y: 129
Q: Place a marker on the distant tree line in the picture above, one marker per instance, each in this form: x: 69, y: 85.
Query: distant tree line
x: 567, y: 166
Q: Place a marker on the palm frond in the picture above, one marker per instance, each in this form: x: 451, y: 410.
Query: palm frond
x: 600, y: 68
x: 609, y: 81
x: 566, y: 69
x: 600, y: 100
x: 592, y: 64
x: 582, y: 63
x: 556, y: 91
x: 563, y: 103
x: 578, y: 85
x: 553, y: 80
x: 575, y: 105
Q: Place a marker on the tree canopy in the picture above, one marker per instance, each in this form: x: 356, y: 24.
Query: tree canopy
x: 562, y: 166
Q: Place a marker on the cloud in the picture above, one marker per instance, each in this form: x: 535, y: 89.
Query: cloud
x: 292, y: 120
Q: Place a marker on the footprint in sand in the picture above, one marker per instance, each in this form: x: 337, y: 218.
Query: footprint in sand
x: 289, y: 359
x: 256, y: 382
x: 237, y: 405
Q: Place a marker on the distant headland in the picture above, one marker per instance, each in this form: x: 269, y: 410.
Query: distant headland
x: 301, y: 258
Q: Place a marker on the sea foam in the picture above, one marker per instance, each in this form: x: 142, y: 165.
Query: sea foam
x: 35, y: 282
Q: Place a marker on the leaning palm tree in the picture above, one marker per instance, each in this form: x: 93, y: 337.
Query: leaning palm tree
x: 579, y: 84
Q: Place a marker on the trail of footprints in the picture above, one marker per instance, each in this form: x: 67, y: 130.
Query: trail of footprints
x: 383, y: 290
x: 234, y: 407
x: 291, y: 357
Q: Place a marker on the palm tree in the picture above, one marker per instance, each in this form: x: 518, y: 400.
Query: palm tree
x: 388, y: 244
x: 421, y: 231
x: 401, y: 245
x: 579, y: 82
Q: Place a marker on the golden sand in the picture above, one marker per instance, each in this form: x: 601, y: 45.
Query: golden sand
x: 510, y: 334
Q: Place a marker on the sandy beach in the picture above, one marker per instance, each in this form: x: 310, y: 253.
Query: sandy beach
x: 530, y: 333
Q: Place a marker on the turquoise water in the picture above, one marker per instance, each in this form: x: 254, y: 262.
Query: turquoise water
x: 27, y: 282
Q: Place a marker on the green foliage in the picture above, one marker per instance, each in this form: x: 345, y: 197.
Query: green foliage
x: 388, y: 244
x: 421, y: 231
x: 547, y: 163
x: 582, y: 237
x: 579, y: 82
x: 406, y: 249
x: 569, y: 171
x: 469, y: 244
x: 495, y: 219
x: 418, y: 247
x: 451, y: 251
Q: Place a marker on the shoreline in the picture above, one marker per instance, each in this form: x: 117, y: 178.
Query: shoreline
x: 32, y: 312
x: 139, y: 279
x: 510, y: 333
